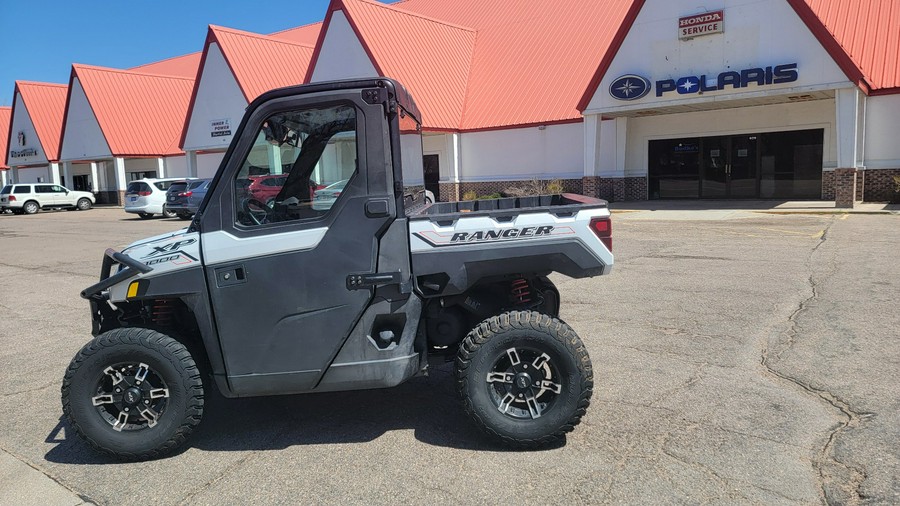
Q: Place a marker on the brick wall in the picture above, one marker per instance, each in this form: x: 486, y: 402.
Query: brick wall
x: 636, y: 188
x: 878, y: 185
x: 828, y: 185
x: 845, y: 187
x: 872, y: 185
x: 449, y: 192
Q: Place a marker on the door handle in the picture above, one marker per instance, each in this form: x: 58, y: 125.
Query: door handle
x: 378, y: 208
x: 228, y: 276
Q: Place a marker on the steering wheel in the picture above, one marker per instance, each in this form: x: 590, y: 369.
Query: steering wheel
x: 259, y: 215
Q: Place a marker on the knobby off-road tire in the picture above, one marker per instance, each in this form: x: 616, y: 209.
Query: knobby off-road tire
x: 171, y: 384
x: 501, y: 355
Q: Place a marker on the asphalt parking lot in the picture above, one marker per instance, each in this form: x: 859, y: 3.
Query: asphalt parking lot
x: 747, y: 359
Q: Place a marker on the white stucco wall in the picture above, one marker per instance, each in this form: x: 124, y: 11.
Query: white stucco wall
x: 757, y: 33
x: 176, y: 166
x: 83, y: 138
x: 640, y: 131
x: 21, y: 122
x: 342, y: 55
x: 556, y: 152
x: 218, y: 98
x: 882, y: 144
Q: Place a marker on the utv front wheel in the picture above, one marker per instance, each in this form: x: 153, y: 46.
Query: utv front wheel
x: 133, y: 393
x: 525, y: 378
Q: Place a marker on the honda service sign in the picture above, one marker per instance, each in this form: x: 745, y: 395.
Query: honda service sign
x: 701, y: 24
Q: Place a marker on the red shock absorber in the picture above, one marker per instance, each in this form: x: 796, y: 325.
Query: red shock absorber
x: 520, y: 290
x: 163, y: 313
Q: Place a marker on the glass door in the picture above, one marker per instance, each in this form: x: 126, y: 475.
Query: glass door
x: 742, y: 167
x: 715, y: 168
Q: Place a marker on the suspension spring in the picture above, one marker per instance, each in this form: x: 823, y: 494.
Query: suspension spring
x: 163, y: 313
x: 520, y: 290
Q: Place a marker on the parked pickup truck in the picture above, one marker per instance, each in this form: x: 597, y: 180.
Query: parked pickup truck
x: 283, y: 297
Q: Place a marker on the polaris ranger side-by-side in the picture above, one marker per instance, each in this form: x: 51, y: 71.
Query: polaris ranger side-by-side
x: 342, y: 290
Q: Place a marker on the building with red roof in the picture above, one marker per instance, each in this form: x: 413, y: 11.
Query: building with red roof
x: 32, y: 142
x: 765, y: 99
x: 123, y: 125
x: 236, y: 67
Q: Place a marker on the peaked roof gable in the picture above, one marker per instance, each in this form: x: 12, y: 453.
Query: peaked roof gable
x: 261, y: 62
x: 306, y: 34
x: 139, y: 114
x: 430, y: 57
x: 46, y: 106
x: 5, y: 117
x: 845, y: 29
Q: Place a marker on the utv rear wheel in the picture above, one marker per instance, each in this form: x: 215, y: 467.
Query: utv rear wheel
x: 525, y: 378
x: 133, y: 393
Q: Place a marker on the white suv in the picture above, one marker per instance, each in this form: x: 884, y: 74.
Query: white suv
x: 146, y: 197
x: 29, y: 198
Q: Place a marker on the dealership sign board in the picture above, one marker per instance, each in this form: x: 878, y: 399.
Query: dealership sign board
x: 707, y: 23
x: 220, y: 127
x: 632, y: 86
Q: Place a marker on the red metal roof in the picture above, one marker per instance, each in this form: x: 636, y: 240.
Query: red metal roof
x: 261, y: 62
x: 5, y: 118
x: 140, y: 114
x: 510, y: 62
x: 867, y: 32
x: 179, y: 66
x: 46, y: 106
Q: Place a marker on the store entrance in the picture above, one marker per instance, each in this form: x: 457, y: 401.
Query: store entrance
x: 784, y: 165
x: 730, y: 167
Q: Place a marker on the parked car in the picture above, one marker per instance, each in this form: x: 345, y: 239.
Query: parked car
x: 146, y: 197
x: 324, y: 198
x: 184, y: 197
x: 266, y: 188
x: 29, y: 198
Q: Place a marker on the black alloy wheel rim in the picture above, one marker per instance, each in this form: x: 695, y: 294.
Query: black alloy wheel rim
x: 524, y: 383
x: 130, y: 396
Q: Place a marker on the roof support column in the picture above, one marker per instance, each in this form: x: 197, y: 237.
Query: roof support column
x: 66, y: 170
x: 274, y: 153
x: 54, y: 173
x: 15, y: 174
x: 191, y: 163
x: 451, y: 192
x: 590, y: 182
x: 94, y: 182
x: 3, y: 177
x: 161, y: 167
x: 121, y: 182
x: 850, y: 110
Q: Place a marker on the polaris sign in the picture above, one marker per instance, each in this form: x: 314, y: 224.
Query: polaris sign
x: 629, y: 87
x: 690, y: 85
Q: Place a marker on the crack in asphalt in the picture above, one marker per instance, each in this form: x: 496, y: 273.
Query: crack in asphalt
x: 850, y: 418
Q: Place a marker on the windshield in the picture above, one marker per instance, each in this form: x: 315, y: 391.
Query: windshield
x: 5, y: 190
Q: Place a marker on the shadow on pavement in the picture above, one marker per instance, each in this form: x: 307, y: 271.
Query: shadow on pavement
x: 427, y: 405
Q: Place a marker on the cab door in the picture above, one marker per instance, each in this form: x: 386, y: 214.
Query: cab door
x: 283, y: 277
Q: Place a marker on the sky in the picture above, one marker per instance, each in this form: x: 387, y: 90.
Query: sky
x: 40, y: 39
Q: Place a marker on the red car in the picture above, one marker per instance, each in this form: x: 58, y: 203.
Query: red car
x: 266, y: 188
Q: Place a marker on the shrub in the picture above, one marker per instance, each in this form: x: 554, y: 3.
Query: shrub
x: 555, y: 186
x: 895, y: 199
x: 495, y: 195
x: 470, y: 195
